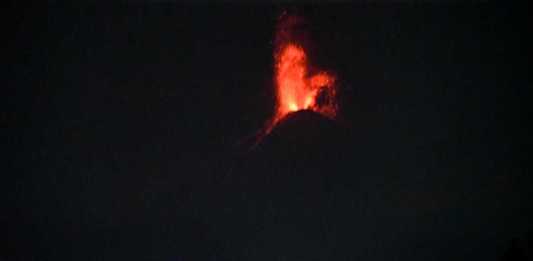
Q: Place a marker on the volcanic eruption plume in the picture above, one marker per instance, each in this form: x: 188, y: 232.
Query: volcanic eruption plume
x: 296, y: 88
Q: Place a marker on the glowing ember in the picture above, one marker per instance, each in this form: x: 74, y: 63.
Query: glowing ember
x: 296, y: 89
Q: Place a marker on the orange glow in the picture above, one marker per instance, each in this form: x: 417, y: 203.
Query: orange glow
x: 296, y: 89
x: 298, y: 86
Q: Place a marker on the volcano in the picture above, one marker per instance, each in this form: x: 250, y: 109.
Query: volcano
x: 302, y: 142
x: 303, y: 133
x: 282, y: 191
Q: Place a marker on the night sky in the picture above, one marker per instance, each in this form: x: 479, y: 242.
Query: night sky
x: 129, y: 133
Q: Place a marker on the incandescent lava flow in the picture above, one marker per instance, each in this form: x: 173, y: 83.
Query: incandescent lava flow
x: 296, y: 88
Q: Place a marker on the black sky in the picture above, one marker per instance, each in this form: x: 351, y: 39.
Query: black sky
x: 123, y: 122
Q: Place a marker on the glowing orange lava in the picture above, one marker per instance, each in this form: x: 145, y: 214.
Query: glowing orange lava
x: 297, y: 86
x: 296, y: 89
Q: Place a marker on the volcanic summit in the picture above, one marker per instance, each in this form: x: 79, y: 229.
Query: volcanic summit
x: 284, y: 186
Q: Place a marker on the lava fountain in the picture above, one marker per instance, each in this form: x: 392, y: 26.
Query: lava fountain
x: 296, y: 88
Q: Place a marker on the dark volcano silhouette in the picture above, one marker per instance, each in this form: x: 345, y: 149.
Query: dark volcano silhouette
x: 303, y: 147
x: 281, y: 191
x: 304, y: 128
